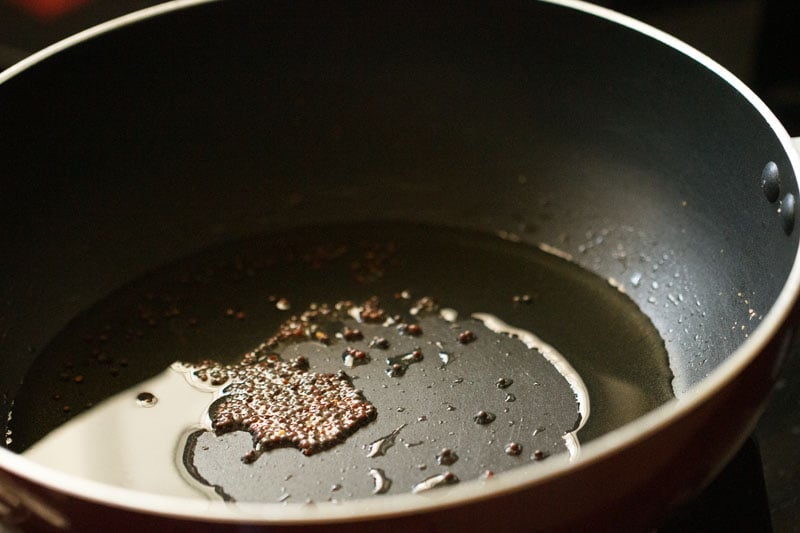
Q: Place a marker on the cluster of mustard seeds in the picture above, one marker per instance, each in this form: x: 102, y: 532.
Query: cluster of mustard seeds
x: 282, y: 403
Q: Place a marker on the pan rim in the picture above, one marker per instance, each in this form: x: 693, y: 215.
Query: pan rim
x: 519, y: 478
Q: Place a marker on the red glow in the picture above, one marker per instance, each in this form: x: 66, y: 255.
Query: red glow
x: 48, y: 9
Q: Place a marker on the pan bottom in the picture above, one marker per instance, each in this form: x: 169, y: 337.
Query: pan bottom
x: 224, y: 302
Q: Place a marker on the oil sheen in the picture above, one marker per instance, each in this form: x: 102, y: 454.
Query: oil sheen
x: 481, y: 343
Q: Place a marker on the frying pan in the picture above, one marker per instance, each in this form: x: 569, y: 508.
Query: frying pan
x: 556, y: 124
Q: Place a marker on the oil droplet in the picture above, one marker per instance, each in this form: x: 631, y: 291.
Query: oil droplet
x: 484, y: 417
x: 439, y: 480
x: 449, y: 314
x: 379, y: 447
x: 504, y: 383
x: 446, y: 457
x: 513, y: 448
x: 396, y: 370
x: 146, y: 399
x: 425, y: 304
x: 380, y: 481
x: 400, y: 363
x: 410, y: 329
x: 379, y: 342
x: 352, y: 357
x: 466, y: 337
x: 538, y: 455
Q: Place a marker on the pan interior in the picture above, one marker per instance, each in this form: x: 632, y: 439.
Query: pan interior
x: 229, y: 299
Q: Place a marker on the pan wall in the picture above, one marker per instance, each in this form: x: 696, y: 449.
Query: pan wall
x: 164, y: 138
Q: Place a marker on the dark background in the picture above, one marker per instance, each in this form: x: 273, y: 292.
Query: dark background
x: 759, y: 41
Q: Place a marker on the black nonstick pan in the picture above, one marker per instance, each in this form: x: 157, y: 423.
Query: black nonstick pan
x: 538, y: 257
